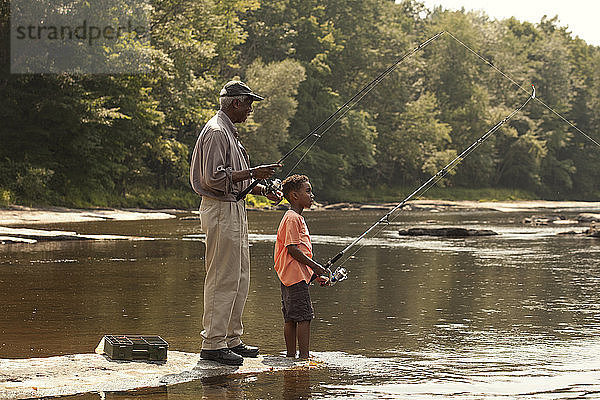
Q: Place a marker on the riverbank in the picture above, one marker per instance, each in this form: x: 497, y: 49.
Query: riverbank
x: 465, y: 205
x: 20, y: 215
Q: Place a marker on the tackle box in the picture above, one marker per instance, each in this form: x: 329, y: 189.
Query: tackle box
x: 135, y: 347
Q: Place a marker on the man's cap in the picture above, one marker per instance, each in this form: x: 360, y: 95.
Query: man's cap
x: 238, y: 88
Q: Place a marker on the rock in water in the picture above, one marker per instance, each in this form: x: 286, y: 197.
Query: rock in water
x: 446, y: 232
x: 588, y: 217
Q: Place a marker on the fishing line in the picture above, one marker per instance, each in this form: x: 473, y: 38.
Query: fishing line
x: 358, y: 95
x: 340, y: 273
x: 523, y: 89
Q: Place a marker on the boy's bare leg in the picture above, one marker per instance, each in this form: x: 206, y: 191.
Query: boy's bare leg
x: 303, y: 338
x: 289, y: 332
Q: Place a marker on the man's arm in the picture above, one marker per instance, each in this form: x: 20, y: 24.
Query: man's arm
x: 208, y: 164
x: 299, y: 256
x: 260, y: 172
x: 238, y: 176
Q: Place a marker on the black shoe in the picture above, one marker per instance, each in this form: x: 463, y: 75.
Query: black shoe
x: 245, y: 350
x: 223, y: 356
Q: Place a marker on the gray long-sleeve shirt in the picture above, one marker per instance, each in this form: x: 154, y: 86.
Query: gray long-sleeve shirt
x: 218, y: 152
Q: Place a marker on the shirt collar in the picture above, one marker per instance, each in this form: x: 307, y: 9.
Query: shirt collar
x: 225, y: 118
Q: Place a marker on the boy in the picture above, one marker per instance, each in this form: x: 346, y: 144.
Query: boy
x: 295, y: 266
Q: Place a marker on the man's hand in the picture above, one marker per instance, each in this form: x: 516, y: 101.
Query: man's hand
x: 264, y: 171
x: 275, y: 196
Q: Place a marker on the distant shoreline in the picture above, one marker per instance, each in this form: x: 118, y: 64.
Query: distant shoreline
x: 502, y: 206
x: 20, y: 215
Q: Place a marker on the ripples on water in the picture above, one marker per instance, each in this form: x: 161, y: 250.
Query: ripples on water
x: 499, y: 371
x: 509, y: 316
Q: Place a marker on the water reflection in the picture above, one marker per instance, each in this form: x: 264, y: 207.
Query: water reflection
x: 157, y: 393
x: 516, y: 315
x: 296, y: 384
x: 218, y: 388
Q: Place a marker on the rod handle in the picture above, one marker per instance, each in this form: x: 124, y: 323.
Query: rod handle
x: 334, y: 259
x: 243, y: 194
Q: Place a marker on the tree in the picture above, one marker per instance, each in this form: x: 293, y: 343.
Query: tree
x: 267, y: 130
x: 418, y: 145
x: 520, y: 153
x: 454, y: 77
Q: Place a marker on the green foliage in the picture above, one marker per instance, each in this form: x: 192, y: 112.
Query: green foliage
x: 278, y: 83
x: 25, y: 183
x: 522, y: 155
x: 168, y: 161
x: 100, y: 140
x: 6, y: 197
x: 254, y: 201
x: 159, y: 198
x: 417, y: 145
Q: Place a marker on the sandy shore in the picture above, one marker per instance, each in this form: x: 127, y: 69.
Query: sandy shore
x: 502, y: 206
x: 19, y: 215
x: 517, y: 206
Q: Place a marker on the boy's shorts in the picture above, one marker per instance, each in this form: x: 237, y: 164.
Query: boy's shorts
x: 295, y: 303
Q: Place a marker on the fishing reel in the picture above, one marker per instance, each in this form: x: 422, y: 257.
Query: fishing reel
x: 340, y: 274
x: 273, y: 185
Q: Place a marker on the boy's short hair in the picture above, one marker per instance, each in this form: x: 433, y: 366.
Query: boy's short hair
x: 292, y: 183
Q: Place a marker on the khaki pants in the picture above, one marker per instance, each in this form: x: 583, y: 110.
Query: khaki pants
x: 227, y: 271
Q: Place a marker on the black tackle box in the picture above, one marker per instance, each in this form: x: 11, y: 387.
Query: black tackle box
x: 135, y: 347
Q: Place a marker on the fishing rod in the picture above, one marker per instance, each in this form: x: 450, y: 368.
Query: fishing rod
x: 345, y: 108
x: 340, y: 273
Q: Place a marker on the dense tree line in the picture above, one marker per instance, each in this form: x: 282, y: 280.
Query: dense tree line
x: 83, y: 139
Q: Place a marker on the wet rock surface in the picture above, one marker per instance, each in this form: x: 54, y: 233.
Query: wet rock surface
x: 84, y: 373
x: 25, y: 215
x: 591, y: 232
x: 537, y: 220
x: 588, y: 217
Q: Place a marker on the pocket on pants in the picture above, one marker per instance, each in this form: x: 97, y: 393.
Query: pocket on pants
x: 209, y: 214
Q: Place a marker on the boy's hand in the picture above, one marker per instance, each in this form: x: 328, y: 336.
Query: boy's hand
x: 323, y: 280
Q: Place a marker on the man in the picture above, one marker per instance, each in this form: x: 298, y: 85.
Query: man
x: 219, y: 171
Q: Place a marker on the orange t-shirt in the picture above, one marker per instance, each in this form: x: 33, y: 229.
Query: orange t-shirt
x: 292, y: 230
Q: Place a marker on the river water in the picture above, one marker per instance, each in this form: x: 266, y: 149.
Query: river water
x: 510, y: 316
